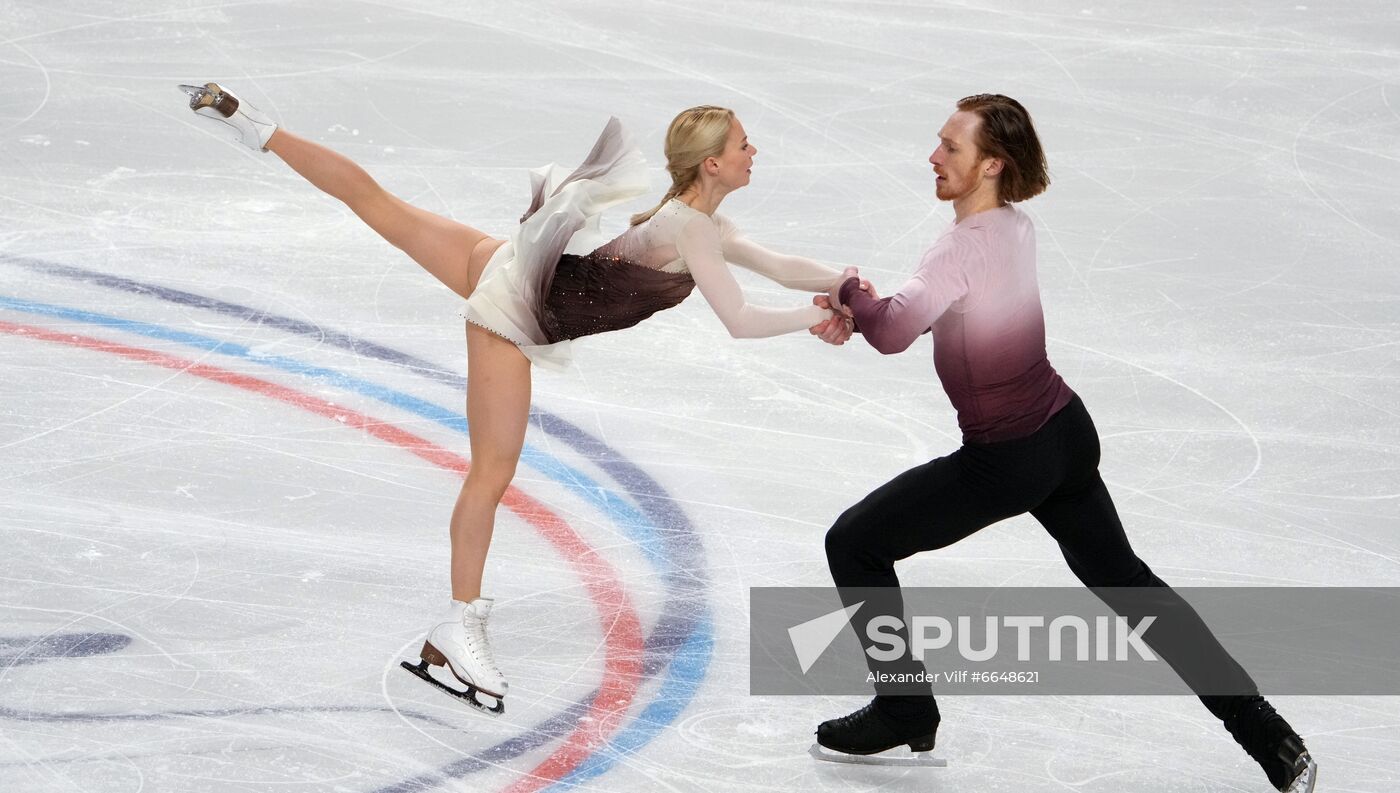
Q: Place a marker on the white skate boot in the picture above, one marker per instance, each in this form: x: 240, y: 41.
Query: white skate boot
x: 459, y: 643
x: 254, y: 128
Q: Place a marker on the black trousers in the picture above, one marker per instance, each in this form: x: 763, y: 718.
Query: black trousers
x: 1052, y: 474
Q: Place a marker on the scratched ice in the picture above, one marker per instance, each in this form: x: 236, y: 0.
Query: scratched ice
x: 231, y: 427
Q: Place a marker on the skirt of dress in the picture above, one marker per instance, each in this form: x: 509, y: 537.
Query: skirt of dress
x: 563, y: 218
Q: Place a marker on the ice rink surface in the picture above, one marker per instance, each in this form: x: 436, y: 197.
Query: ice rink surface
x: 231, y: 431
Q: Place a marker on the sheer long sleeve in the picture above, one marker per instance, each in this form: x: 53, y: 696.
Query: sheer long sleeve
x: 793, y: 272
x: 699, y: 244
x: 892, y: 323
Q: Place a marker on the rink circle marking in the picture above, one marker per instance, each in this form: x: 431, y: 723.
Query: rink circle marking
x: 681, y: 666
x: 48, y: 86
x: 1253, y: 439
x: 620, y: 623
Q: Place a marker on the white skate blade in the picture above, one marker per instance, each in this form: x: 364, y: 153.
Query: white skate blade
x: 923, y: 759
x: 1307, y: 780
x: 200, y: 95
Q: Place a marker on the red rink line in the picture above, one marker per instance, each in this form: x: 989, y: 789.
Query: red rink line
x: 620, y: 624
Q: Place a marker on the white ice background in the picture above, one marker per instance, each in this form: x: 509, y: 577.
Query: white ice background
x: 1218, y: 258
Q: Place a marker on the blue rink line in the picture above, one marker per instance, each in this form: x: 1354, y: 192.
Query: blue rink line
x: 684, y: 631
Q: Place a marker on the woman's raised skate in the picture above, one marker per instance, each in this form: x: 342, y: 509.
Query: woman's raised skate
x: 214, y: 102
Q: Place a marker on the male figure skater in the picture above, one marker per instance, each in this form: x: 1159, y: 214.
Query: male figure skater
x: 1028, y: 444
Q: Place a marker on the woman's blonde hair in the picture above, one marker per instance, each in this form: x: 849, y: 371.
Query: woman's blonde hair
x: 694, y: 135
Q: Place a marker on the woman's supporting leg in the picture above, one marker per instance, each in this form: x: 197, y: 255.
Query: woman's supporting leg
x: 441, y: 246
x: 498, y: 410
x: 498, y: 407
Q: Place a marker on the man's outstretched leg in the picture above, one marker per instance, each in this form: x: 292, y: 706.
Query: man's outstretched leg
x: 1081, y: 517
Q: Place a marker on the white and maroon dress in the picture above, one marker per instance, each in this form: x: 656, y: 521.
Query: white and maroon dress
x: 557, y: 278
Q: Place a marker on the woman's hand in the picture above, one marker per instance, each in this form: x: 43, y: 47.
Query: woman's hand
x: 834, y: 294
x: 835, y: 329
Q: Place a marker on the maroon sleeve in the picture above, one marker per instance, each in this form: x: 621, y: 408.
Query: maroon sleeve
x: 891, y: 324
x: 874, y: 319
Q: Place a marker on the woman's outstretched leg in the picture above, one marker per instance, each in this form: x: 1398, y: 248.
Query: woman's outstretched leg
x: 442, y: 247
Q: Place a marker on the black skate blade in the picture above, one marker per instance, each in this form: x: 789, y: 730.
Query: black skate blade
x: 420, y: 670
x: 914, y: 759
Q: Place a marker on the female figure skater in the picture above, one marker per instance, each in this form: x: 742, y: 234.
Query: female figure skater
x: 555, y: 279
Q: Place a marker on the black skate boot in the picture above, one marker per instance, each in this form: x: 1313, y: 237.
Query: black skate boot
x: 883, y: 724
x: 1274, y: 745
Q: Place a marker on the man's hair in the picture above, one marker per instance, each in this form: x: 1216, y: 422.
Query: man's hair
x: 1006, y: 133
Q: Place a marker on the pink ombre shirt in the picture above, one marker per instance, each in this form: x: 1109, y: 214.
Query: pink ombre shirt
x: 976, y: 288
